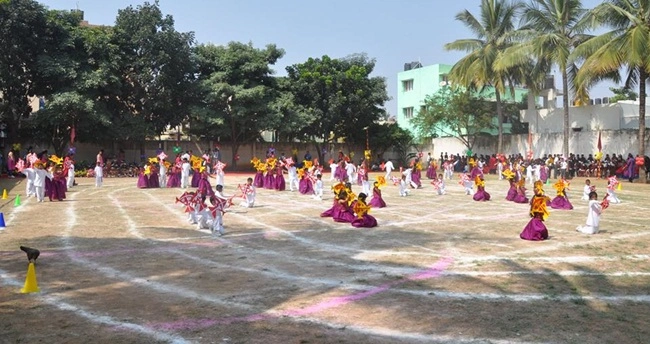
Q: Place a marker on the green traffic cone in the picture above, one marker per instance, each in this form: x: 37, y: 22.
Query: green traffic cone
x: 17, y: 201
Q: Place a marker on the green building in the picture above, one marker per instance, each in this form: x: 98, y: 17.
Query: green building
x: 416, y: 82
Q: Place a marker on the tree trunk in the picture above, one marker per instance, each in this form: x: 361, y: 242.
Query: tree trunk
x: 234, y: 149
x: 565, y: 100
x: 643, y: 75
x: 500, y: 119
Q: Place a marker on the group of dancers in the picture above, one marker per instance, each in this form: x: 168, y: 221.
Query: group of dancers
x: 49, y: 176
x: 306, y: 178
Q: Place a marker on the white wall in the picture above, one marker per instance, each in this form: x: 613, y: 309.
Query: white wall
x: 585, y: 142
x: 621, y: 115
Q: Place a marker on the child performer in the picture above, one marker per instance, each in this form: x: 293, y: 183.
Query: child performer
x: 280, y: 184
x: 612, y: 183
x: 222, y: 203
x: 154, y: 177
x: 593, y: 216
x: 29, y: 174
x: 377, y: 201
x: 318, y: 187
x: 403, y: 187
x: 342, y: 211
x: 305, y: 185
x: 439, y: 185
x: 205, y: 189
x: 39, y: 180
x: 466, y: 183
x: 293, y: 177
x: 99, y: 169
x: 431, y: 169
x: 248, y: 193
x: 185, y: 174
x: 416, y: 174
x: 520, y: 197
x: 365, y: 184
x: 481, y: 194
x: 586, y: 190
x: 361, y: 209
x: 70, y: 176
x: 512, y: 191
x: 561, y: 201
x: 535, y: 229
x: 162, y: 178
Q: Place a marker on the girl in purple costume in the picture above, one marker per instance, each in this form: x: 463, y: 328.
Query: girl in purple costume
x: 154, y: 178
x: 481, y: 194
x: 520, y: 197
x: 342, y: 211
x: 269, y: 179
x: 377, y: 201
x: 416, y: 173
x: 512, y: 192
x: 536, y: 229
x: 304, y: 185
x: 280, y: 184
x: 363, y: 219
x: 431, y: 170
x: 174, y: 180
x: 258, y: 181
x: 340, y: 173
x: 143, y: 180
x: 196, y: 177
x: 561, y: 201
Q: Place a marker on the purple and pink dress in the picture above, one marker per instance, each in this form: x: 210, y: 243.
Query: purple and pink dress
x: 512, y: 192
x: 431, y: 172
x: 366, y: 221
x: 520, y: 197
x: 481, y: 194
x: 535, y: 230
x: 305, y: 186
x: 258, y: 181
x: 174, y: 180
x: 343, y: 213
x: 269, y: 180
x: 561, y: 202
x: 143, y: 180
x: 280, y: 184
x: 377, y: 201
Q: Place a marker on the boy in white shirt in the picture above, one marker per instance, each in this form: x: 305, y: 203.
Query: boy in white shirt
x: 39, y: 180
x: 333, y: 167
x: 29, y: 187
x: 293, y: 177
x: 389, y: 168
x: 403, y: 190
x: 70, y: 176
x: 249, y: 194
x: 593, y: 216
x: 318, y: 187
x: 162, y: 176
x: 185, y: 174
x: 586, y: 190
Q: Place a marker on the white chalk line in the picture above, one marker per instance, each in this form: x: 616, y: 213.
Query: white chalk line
x: 93, y: 316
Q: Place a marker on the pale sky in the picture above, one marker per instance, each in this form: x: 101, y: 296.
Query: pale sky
x: 391, y: 31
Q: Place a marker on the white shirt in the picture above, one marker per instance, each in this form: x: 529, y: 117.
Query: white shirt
x: 593, y: 217
x: 39, y: 177
x: 389, y: 166
x: 186, y: 168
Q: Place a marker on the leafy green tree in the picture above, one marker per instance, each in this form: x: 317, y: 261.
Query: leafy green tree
x: 156, y: 72
x: 624, y: 46
x: 339, y: 96
x: 552, y: 30
x: 454, y: 112
x: 494, y: 30
x: 24, y: 43
x: 622, y: 93
x: 80, y: 82
x: 238, y: 92
x: 294, y: 118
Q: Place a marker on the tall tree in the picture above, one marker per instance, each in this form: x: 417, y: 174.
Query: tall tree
x: 339, y: 96
x: 494, y: 30
x: 625, y: 46
x: 551, y: 30
x: 156, y: 70
x: 24, y: 44
x: 81, y: 79
x: 238, y: 91
x: 454, y: 112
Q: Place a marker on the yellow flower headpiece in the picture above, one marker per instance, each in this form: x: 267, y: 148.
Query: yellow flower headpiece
x: 56, y: 160
x: 308, y: 164
x: 381, y: 181
x: 538, y: 205
x: 478, y: 181
x: 361, y: 209
x: 508, y: 174
x: 153, y: 160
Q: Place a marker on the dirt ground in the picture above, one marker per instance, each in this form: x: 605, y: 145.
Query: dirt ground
x: 123, y: 265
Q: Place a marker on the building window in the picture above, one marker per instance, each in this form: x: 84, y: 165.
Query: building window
x: 407, y: 85
x: 408, y: 112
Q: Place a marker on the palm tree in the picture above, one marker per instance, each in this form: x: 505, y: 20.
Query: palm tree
x: 551, y: 30
x: 626, y: 46
x: 493, y: 30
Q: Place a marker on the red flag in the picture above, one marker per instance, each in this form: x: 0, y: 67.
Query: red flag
x: 600, y: 143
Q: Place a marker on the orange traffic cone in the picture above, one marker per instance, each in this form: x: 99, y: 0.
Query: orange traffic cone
x: 31, y: 286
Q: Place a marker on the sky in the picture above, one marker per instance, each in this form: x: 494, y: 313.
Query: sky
x: 391, y: 31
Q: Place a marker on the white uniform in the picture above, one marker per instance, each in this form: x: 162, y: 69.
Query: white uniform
x: 70, y: 176
x: 318, y: 189
x: 403, y: 189
x: 39, y: 183
x: 99, y: 175
x: 29, y: 187
x: 293, y: 178
x: 585, y: 192
x: 593, y: 218
x: 389, y: 168
x: 162, y: 177
x: 249, y: 197
x: 185, y: 175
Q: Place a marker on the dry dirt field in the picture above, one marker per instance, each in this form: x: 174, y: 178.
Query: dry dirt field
x: 122, y: 265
